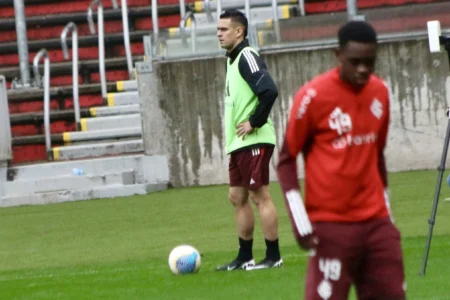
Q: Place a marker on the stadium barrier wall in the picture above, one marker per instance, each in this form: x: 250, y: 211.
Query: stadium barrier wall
x: 5, y: 135
x: 182, y: 105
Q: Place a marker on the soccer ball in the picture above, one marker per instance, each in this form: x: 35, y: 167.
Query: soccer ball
x: 184, y: 259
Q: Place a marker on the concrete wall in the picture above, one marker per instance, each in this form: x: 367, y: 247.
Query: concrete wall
x: 182, y: 104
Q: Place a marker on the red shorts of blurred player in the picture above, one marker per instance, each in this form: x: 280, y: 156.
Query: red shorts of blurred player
x: 366, y: 254
x: 249, y: 168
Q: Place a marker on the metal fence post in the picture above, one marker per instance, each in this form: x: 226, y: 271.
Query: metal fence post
x: 276, y: 24
x: 352, y: 11
x: 218, y: 8
x: 22, y: 44
x: 182, y: 8
x: 155, y: 22
x: 301, y: 6
x: 207, y: 6
x: 247, y: 12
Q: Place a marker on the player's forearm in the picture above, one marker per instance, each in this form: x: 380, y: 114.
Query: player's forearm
x: 287, y: 175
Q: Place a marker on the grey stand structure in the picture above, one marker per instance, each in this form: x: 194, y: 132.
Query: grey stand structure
x: 5, y: 136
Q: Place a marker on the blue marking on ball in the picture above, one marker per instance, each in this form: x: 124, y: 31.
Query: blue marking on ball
x: 186, y: 263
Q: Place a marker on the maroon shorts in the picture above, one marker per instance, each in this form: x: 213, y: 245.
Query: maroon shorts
x: 366, y: 254
x: 249, y: 168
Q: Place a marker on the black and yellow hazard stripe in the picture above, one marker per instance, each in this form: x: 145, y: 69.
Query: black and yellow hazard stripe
x: 83, y: 124
x: 198, y: 6
x: 110, y: 99
x: 56, y: 153
x: 120, y: 86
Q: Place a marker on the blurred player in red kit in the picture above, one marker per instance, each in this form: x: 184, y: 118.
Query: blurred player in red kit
x: 339, y: 122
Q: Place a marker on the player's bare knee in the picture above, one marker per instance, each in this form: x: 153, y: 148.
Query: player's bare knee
x: 260, y: 197
x: 237, y: 199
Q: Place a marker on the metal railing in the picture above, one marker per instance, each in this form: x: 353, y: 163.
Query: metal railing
x: 207, y: 5
x: 189, y: 15
x: 126, y: 37
x: 182, y: 8
x: 301, y: 6
x: 155, y: 23
x: 44, y: 54
x: 276, y: 23
x: 352, y: 11
x: 101, y: 39
x: 218, y: 8
x: 247, y: 12
x: 71, y: 27
x: 22, y: 44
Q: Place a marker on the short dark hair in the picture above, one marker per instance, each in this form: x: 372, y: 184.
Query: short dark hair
x: 236, y: 16
x: 357, y: 31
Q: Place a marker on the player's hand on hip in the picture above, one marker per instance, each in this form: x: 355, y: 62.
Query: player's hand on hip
x: 243, y: 129
x: 308, y: 242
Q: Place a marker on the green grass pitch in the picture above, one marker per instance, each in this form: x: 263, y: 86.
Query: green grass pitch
x: 118, y: 248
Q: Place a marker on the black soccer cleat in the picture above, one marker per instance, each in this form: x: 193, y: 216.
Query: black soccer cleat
x: 237, y: 265
x: 266, y: 264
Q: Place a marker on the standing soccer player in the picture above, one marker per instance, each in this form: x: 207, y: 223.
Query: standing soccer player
x: 250, y: 139
x: 339, y: 121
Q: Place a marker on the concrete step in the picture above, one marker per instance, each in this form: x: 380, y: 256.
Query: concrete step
x: 111, y: 122
x: 104, y: 111
x: 68, y: 114
x: 104, y: 134
x: 103, y: 141
x: 107, y: 191
x: 126, y: 85
x: 123, y: 98
x: 148, y: 169
x: 52, y: 184
x: 97, y: 149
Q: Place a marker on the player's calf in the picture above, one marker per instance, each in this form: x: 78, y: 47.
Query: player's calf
x: 269, y: 221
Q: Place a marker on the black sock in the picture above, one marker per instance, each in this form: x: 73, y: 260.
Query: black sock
x: 273, y: 250
x: 245, y: 249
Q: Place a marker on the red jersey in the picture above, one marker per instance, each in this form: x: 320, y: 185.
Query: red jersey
x: 341, y: 134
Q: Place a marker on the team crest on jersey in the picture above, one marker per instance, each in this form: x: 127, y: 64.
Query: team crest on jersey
x: 376, y: 108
